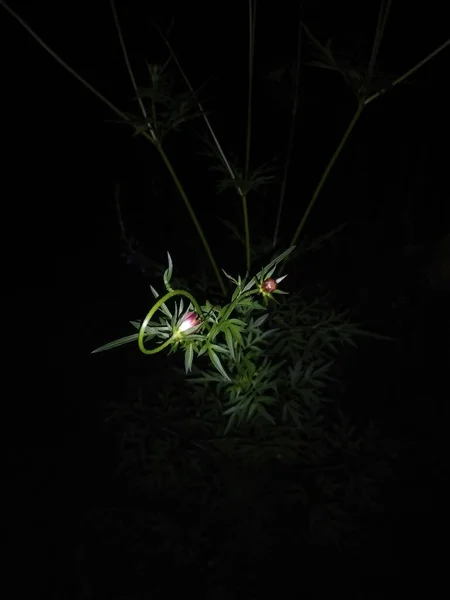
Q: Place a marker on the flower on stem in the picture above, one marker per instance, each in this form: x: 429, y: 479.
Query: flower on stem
x: 190, y: 320
x: 269, y: 286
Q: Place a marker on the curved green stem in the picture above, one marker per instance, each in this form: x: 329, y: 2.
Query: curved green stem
x: 152, y: 311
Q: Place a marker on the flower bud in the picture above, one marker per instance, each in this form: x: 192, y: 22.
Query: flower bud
x: 189, y: 321
x: 269, y: 286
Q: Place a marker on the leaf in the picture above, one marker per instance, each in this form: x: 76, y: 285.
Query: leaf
x: 163, y: 308
x: 237, y: 322
x: 230, y: 344
x: 281, y: 257
x: 216, y: 362
x: 154, y: 292
x: 251, y: 410
x: 231, y: 422
x: 250, y: 284
x: 263, y: 412
x: 260, y: 320
x: 168, y: 274
x: 236, y: 293
x: 120, y: 342
x: 233, y: 409
x: 229, y: 277
x: 152, y: 328
x: 188, y: 358
x: 219, y: 349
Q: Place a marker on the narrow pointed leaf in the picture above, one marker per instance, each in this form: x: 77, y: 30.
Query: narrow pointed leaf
x: 250, y: 284
x: 260, y: 320
x: 154, y: 292
x: 166, y: 311
x: 168, y: 273
x: 120, y: 342
x: 216, y: 362
x: 263, y: 412
x: 230, y: 344
x: 188, y: 358
x: 268, y: 271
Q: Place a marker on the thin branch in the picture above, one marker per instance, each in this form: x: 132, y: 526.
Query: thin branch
x: 417, y: 66
x: 125, y: 118
x: 379, y: 32
x: 59, y: 60
x: 291, y: 135
x: 130, y: 70
x: 204, y: 115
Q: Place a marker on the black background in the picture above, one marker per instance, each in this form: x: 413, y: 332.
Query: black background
x: 68, y: 289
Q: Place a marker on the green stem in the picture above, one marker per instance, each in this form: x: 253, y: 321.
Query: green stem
x: 413, y: 69
x: 224, y: 159
x: 193, y: 216
x: 235, y: 302
x: 327, y: 172
x: 287, y: 161
x: 152, y: 311
x: 246, y: 231
x: 130, y: 70
x: 252, y: 21
x: 59, y: 60
x: 146, y: 134
x: 163, y: 155
x: 361, y: 104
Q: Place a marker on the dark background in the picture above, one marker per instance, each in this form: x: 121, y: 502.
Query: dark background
x: 68, y: 287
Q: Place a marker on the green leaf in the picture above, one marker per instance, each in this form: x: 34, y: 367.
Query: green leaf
x: 236, y: 293
x: 229, y: 277
x: 265, y: 399
x: 216, y: 362
x: 250, y: 284
x: 237, y: 336
x: 203, y: 349
x: 230, y: 343
x: 120, y: 342
x: 163, y: 308
x: 233, y: 409
x: 268, y: 271
x: 251, y: 410
x: 231, y: 422
x: 263, y: 412
x: 260, y: 320
x: 188, y: 358
x: 168, y: 274
x: 153, y: 328
x: 238, y: 322
x: 219, y: 349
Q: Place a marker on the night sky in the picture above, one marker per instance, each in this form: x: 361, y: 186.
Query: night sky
x: 71, y: 283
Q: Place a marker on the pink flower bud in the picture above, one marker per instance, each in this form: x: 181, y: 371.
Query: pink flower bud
x: 190, y: 320
x: 269, y: 286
